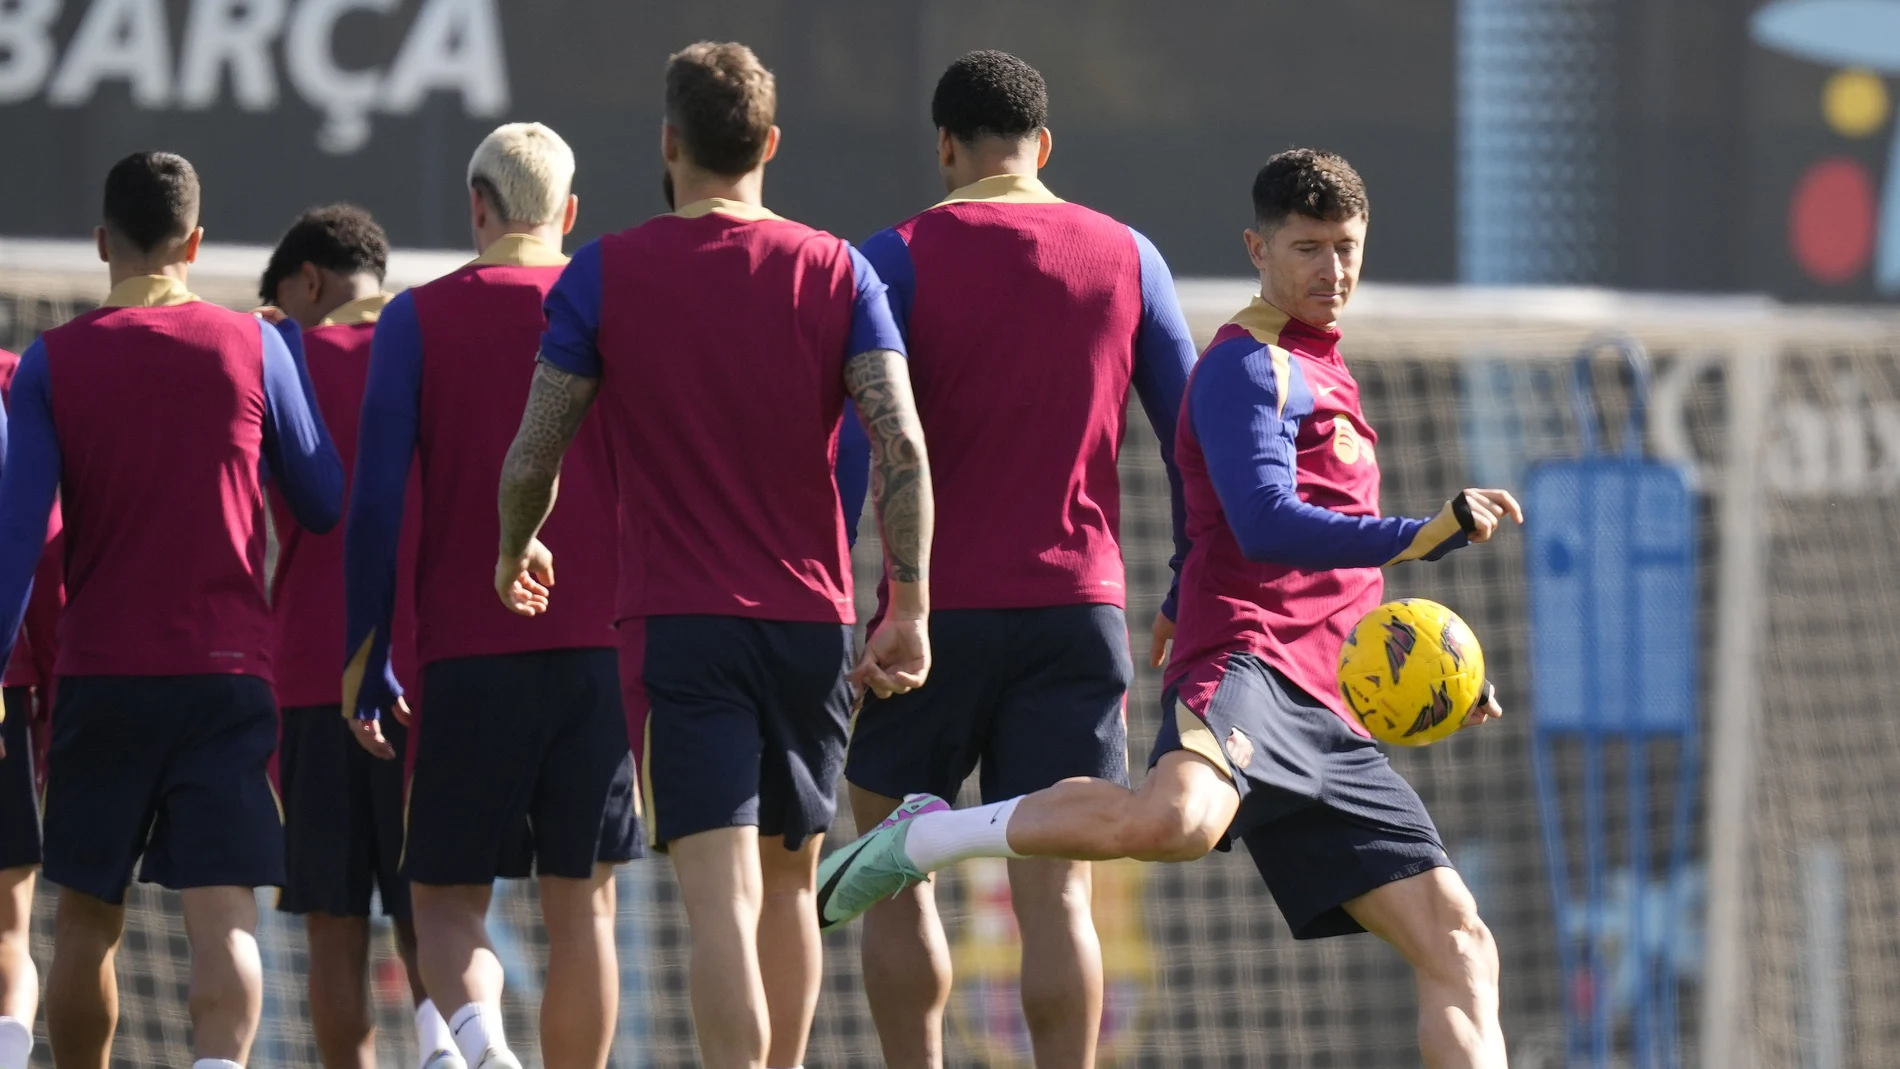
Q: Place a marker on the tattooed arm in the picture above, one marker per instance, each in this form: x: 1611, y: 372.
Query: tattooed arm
x: 530, y: 479
x: 896, y: 655
x: 900, y: 470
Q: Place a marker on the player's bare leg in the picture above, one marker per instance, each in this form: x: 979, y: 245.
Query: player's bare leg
x: 1433, y: 921
x: 433, y: 1038
x: 19, y: 980
x: 82, y: 990
x: 1062, y: 960
x: 227, y: 976
x: 791, y: 959
x: 906, y: 961
x: 582, y: 995
x: 340, y: 1016
x: 458, y: 962
x: 1179, y: 813
x: 723, y: 889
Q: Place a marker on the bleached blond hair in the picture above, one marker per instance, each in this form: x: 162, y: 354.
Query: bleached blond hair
x: 526, y: 171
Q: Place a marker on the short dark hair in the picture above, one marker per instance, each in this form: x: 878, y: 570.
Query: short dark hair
x: 723, y: 102
x: 340, y: 237
x: 1309, y: 182
x: 990, y: 93
x: 151, y: 197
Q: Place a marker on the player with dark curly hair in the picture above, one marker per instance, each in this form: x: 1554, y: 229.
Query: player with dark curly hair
x: 1077, y: 309
x: 1287, y: 545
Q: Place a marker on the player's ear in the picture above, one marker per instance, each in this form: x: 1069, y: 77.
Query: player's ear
x: 477, y: 207
x: 570, y: 213
x: 946, y: 149
x: 192, y: 241
x: 669, y: 143
x: 1044, y: 142
x: 1256, y: 247
x: 312, y: 278
x: 771, y: 144
x: 99, y: 239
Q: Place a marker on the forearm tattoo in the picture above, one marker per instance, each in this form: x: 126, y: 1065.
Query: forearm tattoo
x: 530, y: 476
x: 879, y: 381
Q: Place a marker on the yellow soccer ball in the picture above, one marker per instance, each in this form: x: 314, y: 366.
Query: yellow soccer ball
x: 1411, y: 671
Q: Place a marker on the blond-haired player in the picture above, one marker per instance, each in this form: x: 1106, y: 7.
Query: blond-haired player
x: 524, y: 758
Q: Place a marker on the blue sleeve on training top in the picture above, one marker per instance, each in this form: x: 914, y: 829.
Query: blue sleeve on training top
x: 297, y: 448
x: 28, y: 484
x: 890, y: 257
x: 1164, y: 357
x: 385, y: 445
x: 854, y: 469
x: 889, y: 260
x: 1234, y: 402
x: 872, y: 325
x: 573, y: 311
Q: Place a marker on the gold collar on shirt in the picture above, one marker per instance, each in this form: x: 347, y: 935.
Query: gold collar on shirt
x: 149, y: 291
x: 1262, y: 320
x: 738, y: 209
x: 1003, y: 189
x: 520, y: 250
x: 361, y: 310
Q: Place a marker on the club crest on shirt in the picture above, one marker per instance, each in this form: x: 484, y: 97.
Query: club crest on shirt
x: 1347, y: 445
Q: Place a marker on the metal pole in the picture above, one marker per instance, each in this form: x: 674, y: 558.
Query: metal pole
x: 1726, y: 1040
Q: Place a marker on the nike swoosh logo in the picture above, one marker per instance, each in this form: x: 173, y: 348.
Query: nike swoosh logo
x: 1324, y: 390
x: 824, y: 893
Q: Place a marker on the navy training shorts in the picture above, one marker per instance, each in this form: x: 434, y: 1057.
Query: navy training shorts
x: 519, y: 756
x: 171, y: 768
x: 1324, y: 814
x: 743, y: 721
x: 1031, y: 696
x: 342, y: 816
x: 19, y: 800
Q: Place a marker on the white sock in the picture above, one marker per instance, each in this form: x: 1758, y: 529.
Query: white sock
x: 476, y: 1029
x: 216, y: 1063
x: 432, y: 1032
x: 938, y: 840
x: 16, y: 1042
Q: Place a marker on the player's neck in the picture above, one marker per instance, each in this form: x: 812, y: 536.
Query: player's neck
x: 1330, y: 329
x: 690, y: 186
x: 118, y: 270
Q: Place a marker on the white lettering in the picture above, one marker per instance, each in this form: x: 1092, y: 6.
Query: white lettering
x: 119, y: 39
x: 454, y: 45
x: 345, y: 97
x: 26, y: 47
x: 235, y: 34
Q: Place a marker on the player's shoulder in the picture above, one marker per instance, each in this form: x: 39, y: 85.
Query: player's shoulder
x: 1238, y: 360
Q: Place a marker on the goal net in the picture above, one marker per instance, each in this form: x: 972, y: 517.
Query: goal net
x: 1783, y: 937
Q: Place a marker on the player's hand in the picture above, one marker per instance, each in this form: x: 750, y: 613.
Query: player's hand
x: 269, y: 313
x: 1163, y: 636
x: 369, y: 735
x: 402, y: 713
x: 1487, y: 510
x: 523, y: 581
x: 896, y: 657
x: 1486, y: 709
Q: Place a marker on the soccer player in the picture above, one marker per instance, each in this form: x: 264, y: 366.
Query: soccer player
x: 28, y: 695
x: 1282, y: 486
x: 342, y: 805
x: 721, y: 341
x: 525, y: 722
x: 1028, y: 637
x: 154, y: 418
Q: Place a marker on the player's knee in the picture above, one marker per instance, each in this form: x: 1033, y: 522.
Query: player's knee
x: 1171, y: 832
x: 1461, y: 952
